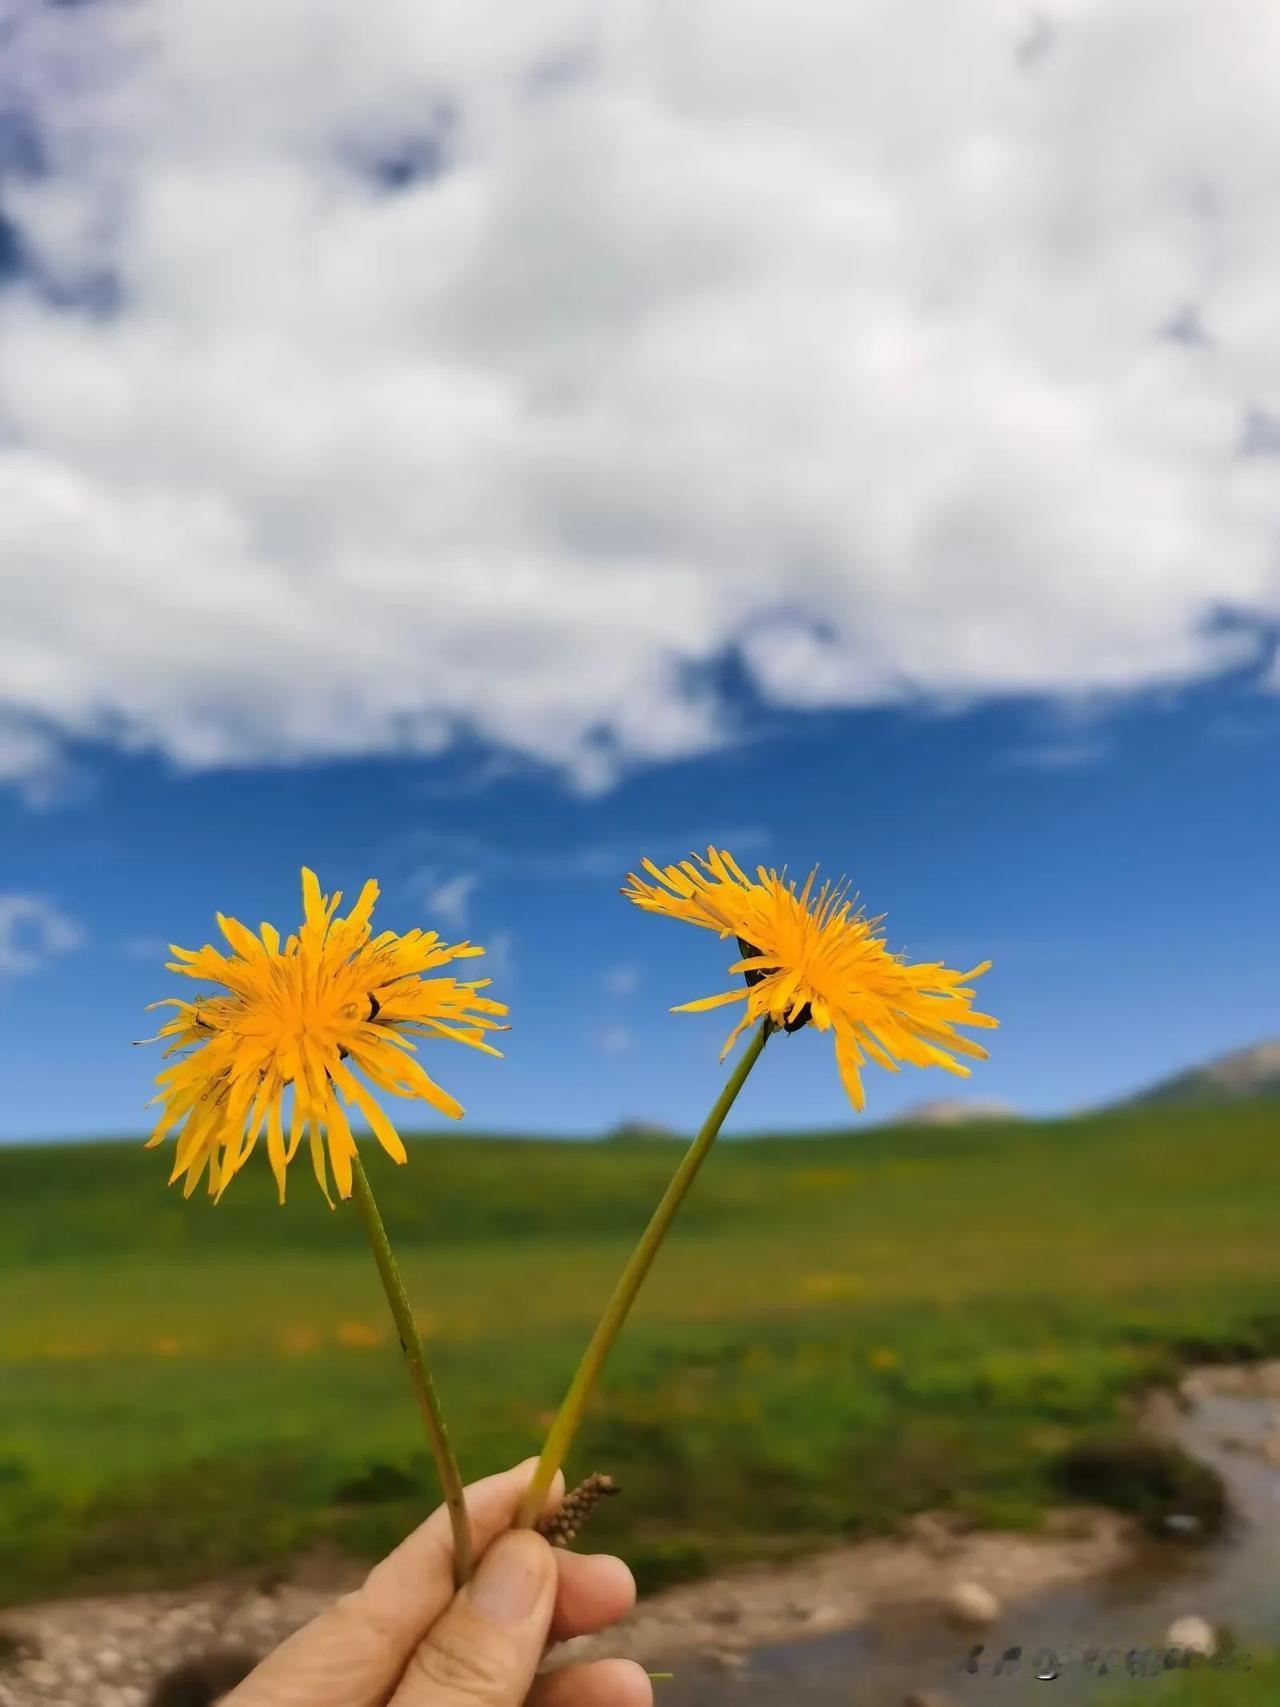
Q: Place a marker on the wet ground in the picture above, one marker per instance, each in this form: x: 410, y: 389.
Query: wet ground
x: 1075, y: 1643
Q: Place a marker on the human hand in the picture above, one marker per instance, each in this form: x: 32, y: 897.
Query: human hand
x: 405, y: 1639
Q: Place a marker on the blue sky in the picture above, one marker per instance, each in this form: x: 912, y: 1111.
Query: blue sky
x: 484, y: 448
x: 1118, y: 868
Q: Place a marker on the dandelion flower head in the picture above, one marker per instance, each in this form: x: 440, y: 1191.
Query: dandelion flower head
x: 319, y: 1022
x: 811, y: 957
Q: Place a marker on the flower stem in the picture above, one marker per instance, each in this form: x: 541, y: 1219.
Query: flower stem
x: 419, y: 1374
x: 571, y: 1411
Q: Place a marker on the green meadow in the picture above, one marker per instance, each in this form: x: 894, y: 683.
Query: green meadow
x: 842, y: 1329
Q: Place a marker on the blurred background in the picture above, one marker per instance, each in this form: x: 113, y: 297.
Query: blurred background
x: 480, y: 448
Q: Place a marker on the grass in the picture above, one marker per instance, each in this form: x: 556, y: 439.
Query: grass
x: 842, y: 1329
x: 1247, y: 1679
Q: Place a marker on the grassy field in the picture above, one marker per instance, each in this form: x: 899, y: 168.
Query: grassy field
x: 842, y: 1329
x: 1229, y: 1684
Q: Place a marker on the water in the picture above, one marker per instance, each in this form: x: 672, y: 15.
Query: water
x: 1233, y: 1582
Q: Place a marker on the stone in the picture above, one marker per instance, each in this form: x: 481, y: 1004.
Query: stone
x: 826, y: 1615
x: 16, y: 1644
x: 1182, y: 1523
x: 931, y: 1533
x: 971, y: 1603
x: 207, y: 1677
x: 1271, y: 1450
x: 925, y: 1698
x: 724, y: 1615
x: 1193, y: 1634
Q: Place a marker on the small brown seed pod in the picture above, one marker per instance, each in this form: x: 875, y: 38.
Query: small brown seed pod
x: 576, y: 1507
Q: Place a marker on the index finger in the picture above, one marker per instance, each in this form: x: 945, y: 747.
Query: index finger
x: 353, y: 1654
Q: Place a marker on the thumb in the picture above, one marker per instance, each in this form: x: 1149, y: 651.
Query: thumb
x: 485, y: 1647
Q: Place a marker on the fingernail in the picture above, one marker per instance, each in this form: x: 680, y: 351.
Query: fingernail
x: 508, y: 1584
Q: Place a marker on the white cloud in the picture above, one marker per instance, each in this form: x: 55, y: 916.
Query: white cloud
x: 903, y: 351
x: 499, y: 963
x: 615, y: 1040
x: 33, y: 931
x: 31, y: 760
x: 621, y: 980
x: 1056, y: 755
x: 146, y: 948
x: 436, y: 856
x: 449, y: 901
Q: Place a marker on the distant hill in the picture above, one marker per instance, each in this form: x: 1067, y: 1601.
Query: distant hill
x: 955, y: 1111
x: 631, y: 1129
x: 1252, y: 1072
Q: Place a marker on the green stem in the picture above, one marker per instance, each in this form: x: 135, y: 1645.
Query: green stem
x: 571, y: 1411
x: 419, y: 1375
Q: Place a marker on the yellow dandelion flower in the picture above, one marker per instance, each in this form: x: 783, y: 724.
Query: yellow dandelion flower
x: 334, y: 1001
x: 814, y: 959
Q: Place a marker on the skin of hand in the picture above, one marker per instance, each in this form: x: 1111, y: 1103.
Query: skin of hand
x: 406, y: 1639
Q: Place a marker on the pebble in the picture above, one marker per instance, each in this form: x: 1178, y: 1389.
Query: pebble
x: 17, y: 1644
x: 1195, y: 1635
x: 971, y: 1603
x: 932, y: 1534
x: 1182, y: 1523
x: 826, y: 1615
x: 111, y: 1655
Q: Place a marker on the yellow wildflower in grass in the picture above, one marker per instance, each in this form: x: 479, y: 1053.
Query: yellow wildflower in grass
x: 333, y: 1001
x: 812, y: 959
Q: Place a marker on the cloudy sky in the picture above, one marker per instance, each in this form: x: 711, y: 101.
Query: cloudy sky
x: 480, y: 445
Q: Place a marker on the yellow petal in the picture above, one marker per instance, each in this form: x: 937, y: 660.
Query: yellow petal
x: 312, y: 902
x: 342, y: 1147
x: 383, y: 1130
x: 704, y: 1003
x: 276, y: 1153
x: 318, y: 1163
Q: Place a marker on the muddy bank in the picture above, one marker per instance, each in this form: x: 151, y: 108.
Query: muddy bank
x: 882, y: 1613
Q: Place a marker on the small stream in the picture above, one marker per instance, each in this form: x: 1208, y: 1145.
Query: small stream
x: 1233, y: 1582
